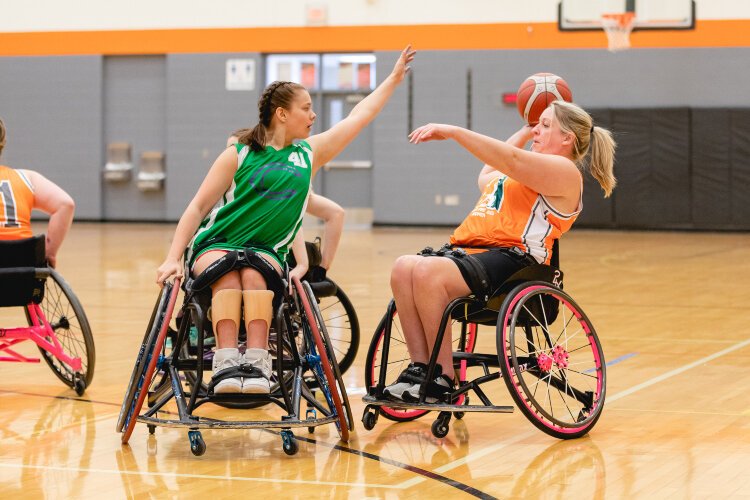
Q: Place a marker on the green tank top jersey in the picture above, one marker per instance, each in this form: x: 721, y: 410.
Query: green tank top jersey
x: 263, y: 207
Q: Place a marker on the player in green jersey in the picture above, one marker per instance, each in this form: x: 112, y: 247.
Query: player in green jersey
x: 254, y: 196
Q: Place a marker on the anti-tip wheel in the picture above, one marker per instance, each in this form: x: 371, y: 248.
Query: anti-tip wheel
x: 440, y: 428
x: 369, y: 419
x: 197, y: 445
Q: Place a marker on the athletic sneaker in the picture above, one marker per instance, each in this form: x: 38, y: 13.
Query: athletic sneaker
x: 259, y: 382
x: 223, y: 360
x: 437, y: 390
x: 414, y: 374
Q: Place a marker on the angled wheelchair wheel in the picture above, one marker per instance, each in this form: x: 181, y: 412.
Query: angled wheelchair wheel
x: 342, y: 324
x: 332, y: 388
x: 398, y: 360
x: 148, y: 357
x: 65, y: 315
x: 330, y: 351
x: 551, y: 360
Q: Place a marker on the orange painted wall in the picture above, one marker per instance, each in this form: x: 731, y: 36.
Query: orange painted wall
x: 707, y: 33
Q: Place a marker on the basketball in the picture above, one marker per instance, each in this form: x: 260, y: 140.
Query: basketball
x: 537, y: 92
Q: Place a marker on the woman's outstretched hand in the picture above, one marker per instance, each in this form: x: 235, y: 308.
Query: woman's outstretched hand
x: 402, y: 65
x: 430, y: 132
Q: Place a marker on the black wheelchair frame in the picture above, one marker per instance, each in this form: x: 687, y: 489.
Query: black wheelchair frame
x: 56, y: 320
x: 548, y: 354
x: 303, y: 355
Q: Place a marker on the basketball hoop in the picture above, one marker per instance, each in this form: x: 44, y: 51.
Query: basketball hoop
x: 618, y: 28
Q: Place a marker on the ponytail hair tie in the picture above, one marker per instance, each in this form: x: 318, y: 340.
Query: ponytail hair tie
x: 592, y: 130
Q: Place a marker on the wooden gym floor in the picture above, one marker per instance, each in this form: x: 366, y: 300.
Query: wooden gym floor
x: 671, y: 309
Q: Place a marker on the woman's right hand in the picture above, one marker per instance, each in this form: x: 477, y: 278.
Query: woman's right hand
x: 170, y: 268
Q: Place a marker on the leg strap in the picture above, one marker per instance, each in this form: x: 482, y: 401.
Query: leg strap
x: 258, y: 304
x: 226, y: 304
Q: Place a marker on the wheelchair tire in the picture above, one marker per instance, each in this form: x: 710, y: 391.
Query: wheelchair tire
x: 334, y: 386
x: 331, y: 353
x: 148, y: 357
x: 551, y: 360
x: 64, y: 313
x: 342, y: 325
x: 372, y: 368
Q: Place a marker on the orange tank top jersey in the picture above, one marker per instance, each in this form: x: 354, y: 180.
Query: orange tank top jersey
x: 510, y: 214
x: 16, y: 202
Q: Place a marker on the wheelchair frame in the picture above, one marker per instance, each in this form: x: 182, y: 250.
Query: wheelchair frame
x: 300, y: 342
x: 29, y: 277
x: 513, y: 306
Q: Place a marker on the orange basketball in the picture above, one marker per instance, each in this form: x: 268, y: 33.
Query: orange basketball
x: 537, y: 92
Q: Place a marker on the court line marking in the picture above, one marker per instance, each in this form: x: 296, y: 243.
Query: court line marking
x: 191, y: 476
x: 481, y: 453
x: 677, y: 371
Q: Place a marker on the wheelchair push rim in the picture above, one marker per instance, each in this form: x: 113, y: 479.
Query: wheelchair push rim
x: 551, y: 360
x: 141, y: 380
x: 328, y: 378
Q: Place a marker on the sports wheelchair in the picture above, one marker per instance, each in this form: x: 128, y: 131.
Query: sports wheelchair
x: 303, y: 361
x: 548, y: 355
x: 56, y: 320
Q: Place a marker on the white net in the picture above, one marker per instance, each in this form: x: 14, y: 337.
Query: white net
x: 618, y: 28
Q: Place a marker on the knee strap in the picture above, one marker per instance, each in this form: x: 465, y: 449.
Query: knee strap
x: 225, y: 304
x: 258, y: 304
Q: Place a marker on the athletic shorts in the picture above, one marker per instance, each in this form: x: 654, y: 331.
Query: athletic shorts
x: 486, y: 271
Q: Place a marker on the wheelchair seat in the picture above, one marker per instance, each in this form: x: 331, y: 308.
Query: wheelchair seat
x: 485, y: 313
x: 20, y: 262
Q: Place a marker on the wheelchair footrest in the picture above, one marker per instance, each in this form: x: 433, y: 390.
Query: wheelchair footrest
x: 401, y: 405
x: 209, y: 423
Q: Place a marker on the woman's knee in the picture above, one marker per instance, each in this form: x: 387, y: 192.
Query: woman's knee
x: 252, y: 279
x: 401, y: 272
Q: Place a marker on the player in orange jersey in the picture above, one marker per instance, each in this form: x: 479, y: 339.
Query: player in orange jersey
x: 529, y: 199
x: 24, y: 190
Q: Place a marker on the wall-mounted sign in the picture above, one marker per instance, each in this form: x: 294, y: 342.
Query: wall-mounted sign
x: 240, y: 74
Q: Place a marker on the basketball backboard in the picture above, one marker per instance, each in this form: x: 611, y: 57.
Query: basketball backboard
x: 576, y: 15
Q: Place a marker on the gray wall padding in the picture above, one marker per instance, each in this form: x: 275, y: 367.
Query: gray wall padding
x: 721, y: 168
x: 653, y: 167
x: 598, y: 211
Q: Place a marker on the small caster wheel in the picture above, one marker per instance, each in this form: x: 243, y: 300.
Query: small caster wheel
x: 151, y: 429
x: 311, y: 430
x: 197, y: 445
x: 289, y: 443
x: 439, y: 428
x: 369, y: 419
x: 79, y: 385
x: 441, y: 424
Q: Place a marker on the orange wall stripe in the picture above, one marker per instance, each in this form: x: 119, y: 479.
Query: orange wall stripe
x: 721, y: 33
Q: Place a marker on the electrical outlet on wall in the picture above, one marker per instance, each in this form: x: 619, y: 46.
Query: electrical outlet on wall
x: 451, y: 200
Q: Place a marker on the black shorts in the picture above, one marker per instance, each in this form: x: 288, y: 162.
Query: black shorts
x: 485, y: 272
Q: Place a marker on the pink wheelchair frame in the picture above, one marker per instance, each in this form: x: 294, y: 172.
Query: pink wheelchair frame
x: 57, y: 323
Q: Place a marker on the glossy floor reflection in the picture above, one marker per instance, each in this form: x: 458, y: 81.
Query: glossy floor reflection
x: 671, y: 310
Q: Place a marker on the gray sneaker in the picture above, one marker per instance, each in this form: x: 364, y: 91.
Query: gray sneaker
x: 260, y: 359
x: 438, y: 389
x: 223, y: 360
x: 413, y: 375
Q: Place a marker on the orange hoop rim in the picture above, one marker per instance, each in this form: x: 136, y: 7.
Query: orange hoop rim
x: 622, y: 19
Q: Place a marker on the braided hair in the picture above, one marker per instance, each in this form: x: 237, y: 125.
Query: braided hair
x: 276, y: 95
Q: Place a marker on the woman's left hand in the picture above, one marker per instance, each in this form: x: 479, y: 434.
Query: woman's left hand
x: 401, y: 67
x: 430, y: 132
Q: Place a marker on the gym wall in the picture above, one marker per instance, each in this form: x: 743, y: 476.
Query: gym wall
x: 680, y: 118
